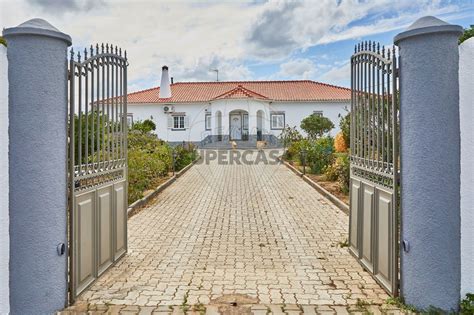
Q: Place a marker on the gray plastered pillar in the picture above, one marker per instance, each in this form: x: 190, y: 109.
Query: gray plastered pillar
x: 430, y: 163
x: 37, y: 72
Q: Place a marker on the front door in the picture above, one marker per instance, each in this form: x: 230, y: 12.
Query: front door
x: 236, y: 127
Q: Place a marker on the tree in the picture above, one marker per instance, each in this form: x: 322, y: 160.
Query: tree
x: 145, y: 126
x: 316, y: 126
x: 3, y: 41
x: 468, y: 33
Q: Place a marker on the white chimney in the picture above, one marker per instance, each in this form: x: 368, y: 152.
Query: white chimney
x: 165, y: 90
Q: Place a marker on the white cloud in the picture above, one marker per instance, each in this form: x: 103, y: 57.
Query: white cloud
x: 338, y: 75
x: 285, y: 26
x: 193, y: 37
x: 300, y: 68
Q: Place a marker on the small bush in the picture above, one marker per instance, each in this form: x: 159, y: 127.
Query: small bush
x: 331, y: 173
x: 295, y: 148
x: 185, y: 155
x: 342, y: 166
x: 288, y: 137
x: 467, y: 304
x: 149, y: 160
x: 145, y: 126
x: 339, y: 171
x: 320, y: 154
x: 345, y: 125
x: 316, y: 126
x: 340, y: 143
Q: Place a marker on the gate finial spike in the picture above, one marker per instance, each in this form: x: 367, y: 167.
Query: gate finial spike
x: 378, y: 48
x: 85, y: 54
x: 365, y: 45
x: 103, y: 47
x: 107, y: 48
x: 388, y: 53
x: 125, y: 55
x: 370, y: 45
x: 92, y: 51
x: 79, y: 56
x: 72, y: 54
x: 116, y: 49
x: 120, y: 52
x: 97, y: 48
x: 383, y: 51
x: 355, y: 49
x: 358, y: 47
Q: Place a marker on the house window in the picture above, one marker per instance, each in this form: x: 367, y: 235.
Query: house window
x: 277, y: 121
x: 208, y: 121
x: 178, y: 122
x: 130, y: 120
x: 318, y: 113
x: 245, y: 124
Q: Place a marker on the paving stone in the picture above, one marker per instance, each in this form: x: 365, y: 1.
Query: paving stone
x: 255, y: 230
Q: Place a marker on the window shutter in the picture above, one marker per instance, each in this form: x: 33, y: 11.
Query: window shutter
x: 186, y: 122
x: 170, y: 122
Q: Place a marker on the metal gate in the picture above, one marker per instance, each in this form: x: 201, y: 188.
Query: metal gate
x: 97, y: 163
x: 373, y: 226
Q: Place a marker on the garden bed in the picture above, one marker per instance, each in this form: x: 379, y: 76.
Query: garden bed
x: 331, y: 186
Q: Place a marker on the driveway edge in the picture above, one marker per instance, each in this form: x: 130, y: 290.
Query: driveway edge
x: 338, y: 203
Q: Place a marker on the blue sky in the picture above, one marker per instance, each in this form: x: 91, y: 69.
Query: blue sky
x: 245, y: 40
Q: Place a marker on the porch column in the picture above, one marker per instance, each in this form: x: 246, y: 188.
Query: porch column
x: 430, y: 164
x: 253, y: 126
x: 37, y: 72
x: 225, y: 125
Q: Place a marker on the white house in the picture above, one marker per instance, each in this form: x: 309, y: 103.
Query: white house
x: 214, y: 112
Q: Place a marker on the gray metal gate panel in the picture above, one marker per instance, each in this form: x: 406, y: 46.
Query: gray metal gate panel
x: 373, y: 224
x: 97, y: 164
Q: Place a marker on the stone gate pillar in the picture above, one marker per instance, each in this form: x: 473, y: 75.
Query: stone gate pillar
x: 37, y: 72
x: 430, y: 164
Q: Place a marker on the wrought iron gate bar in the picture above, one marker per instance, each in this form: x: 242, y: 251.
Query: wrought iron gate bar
x: 373, y: 229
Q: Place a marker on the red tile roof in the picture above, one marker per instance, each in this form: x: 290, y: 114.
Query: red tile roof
x: 190, y: 92
x: 239, y: 93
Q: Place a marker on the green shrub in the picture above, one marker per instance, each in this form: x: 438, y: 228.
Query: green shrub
x: 316, y: 126
x: 145, y: 126
x: 467, y: 304
x: 185, y: 155
x: 342, y: 169
x: 294, y: 150
x: 320, y: 154
x: 149, y: 159
x: 288, y: 137
x: 331, y: 174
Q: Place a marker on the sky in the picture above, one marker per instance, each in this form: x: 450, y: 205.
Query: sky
x: 244, y: 40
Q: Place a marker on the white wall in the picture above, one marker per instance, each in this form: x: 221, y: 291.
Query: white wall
x: 195, y: 112
x: 466, y: 111
x: 4, y: 219
x: 294, y: 113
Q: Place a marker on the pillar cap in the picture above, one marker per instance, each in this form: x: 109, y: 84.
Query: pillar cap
x: 427, y: 25
x: 37, y: 27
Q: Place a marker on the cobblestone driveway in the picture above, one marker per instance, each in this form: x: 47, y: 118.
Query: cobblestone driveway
x: 256, y: 234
